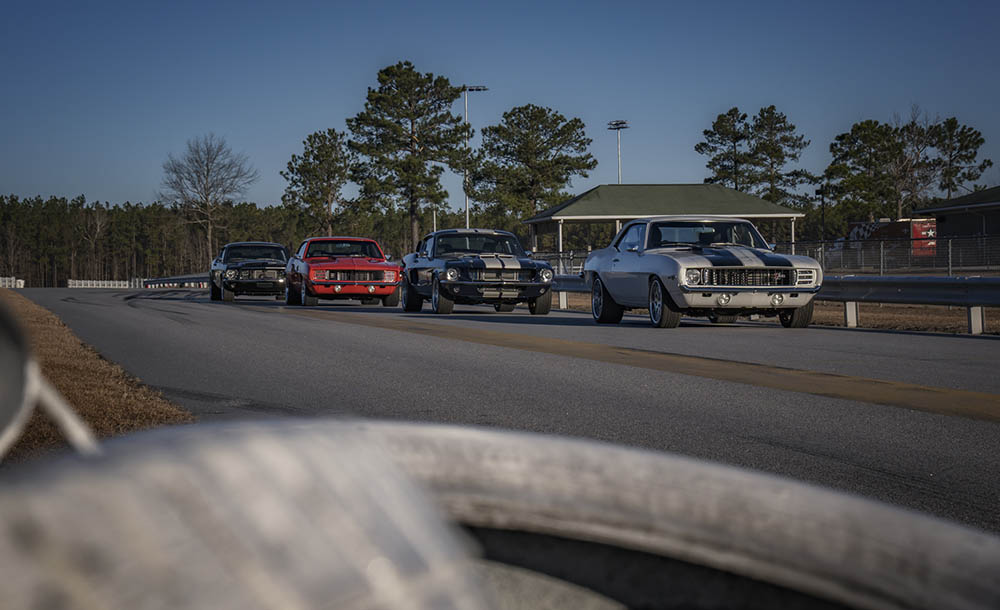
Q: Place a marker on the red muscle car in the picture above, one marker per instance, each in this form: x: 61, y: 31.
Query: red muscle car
x: 341, y: 268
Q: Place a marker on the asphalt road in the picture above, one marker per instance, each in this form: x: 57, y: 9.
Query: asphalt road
x: 908, y: 418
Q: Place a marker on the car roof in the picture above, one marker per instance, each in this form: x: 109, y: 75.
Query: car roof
x: 469, y: 232
x: 691, y: 218
x: 339, y: 237
x: 253, y: 243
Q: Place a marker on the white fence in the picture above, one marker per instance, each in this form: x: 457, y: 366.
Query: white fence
x: 133, y: 283
x: 11, y: 282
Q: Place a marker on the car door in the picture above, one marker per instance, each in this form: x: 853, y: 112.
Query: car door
x: 622, y: 280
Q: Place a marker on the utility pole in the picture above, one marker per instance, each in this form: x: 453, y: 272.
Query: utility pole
x: 465, y: 174
x: 617, y: 126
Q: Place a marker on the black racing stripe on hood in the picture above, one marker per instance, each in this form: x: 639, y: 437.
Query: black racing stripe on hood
x: 720, y: 257
x: 771, y: 259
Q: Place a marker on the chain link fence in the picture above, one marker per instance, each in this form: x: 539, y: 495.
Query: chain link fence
x: 934, y: 256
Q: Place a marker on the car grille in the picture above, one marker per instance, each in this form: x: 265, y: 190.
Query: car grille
x: 260, y: 274
x: 502, y: 275
x: 352, y: 275
x: 748, y: 277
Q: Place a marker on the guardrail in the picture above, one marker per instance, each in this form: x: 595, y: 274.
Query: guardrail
x: 973, y: 293
x: 183, y: 281
x: 11, y: 282
x: 133, y: 283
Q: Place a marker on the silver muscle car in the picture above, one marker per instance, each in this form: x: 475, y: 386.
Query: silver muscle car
x: 712, y: 266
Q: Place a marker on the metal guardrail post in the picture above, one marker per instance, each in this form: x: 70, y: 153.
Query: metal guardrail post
x: 977, y: 320
x: 881, y: 257
x: 851, y: 314
x: 949, y: 257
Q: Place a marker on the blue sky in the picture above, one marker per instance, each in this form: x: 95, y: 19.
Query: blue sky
x: 96, y: 95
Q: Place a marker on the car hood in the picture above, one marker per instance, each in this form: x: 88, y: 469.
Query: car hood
x: 731, y: 256
x: 497, y: 261
x: 348, y: 262
x: 257, y: 264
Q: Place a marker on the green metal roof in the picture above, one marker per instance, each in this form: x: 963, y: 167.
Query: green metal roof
x: 624, y: 201
x: 986, y: 198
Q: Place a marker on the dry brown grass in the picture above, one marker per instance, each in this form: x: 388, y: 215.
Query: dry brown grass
x: 110, y: 400
x: 870, y: 315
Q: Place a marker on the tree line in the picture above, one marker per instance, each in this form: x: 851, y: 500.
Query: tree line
x: 877, y: 169
x: 396, y: 149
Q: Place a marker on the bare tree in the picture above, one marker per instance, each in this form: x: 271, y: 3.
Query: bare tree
x: 207, y: 176
x: 914, y: 170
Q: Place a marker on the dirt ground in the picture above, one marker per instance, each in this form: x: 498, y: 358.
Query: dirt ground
x: 110, y: 400
x: 931, y: 318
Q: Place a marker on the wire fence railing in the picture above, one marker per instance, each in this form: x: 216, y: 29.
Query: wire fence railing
x: 924, y: 256
x: 133, y: 283
x: 11, y: 282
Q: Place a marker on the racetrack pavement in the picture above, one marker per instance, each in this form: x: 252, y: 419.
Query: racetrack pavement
x: 907, y: 418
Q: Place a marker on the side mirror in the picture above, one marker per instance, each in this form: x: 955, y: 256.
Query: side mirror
x: 633, y: 249
x: 770, y: 246
x: 529, y: 253
x: 388, y: 257
x: 423, y: 254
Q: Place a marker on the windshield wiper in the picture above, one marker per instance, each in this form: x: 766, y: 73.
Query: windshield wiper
x: 728, y: 243
x: 664, y: 244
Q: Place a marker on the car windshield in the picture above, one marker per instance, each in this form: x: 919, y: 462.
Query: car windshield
x: 246, y: 253
x: 343, y: 247
x: 704, y: 233
x: 459, y: 244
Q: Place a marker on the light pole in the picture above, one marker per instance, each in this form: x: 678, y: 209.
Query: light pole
x: 617, y: 126
x: 465, y: 174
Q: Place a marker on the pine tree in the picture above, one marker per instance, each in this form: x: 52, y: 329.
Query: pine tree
x: 958, y: 146
x: 728, y: 143
x: 774, y: 143
x: 405, y: 136
x: 316, y: 178
x: 527, y: 161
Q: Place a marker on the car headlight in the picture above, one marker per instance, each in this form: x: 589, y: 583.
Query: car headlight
x: 451, y: 274
x: 231, y: 274
x: 388, y: 276
x: 545, y: 275
x: 692, y: 276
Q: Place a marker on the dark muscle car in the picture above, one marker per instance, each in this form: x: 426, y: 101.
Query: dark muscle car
x: 472, y: 266
x: 341, y: 268
x: 248, y: 267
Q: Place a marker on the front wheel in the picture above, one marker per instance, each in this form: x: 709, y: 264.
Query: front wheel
x: 228, y: 295
x: 412, y: 301
x: 660, y: 313
x: 291, y: 296
x: 800, y: 317
x: 305, y: 298
x: 391, y: 300
x: 542, y: 305
x: 602, y: 306
x: 440, y: 303
x: 213, y: 291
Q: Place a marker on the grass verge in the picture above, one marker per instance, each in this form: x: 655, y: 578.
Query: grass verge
x: 110, y: 400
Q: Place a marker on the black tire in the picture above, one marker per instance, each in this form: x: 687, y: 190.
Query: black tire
x: 542, y: 305
x: 800, y: 317
x: 391, y: 300
x: 440, y: 303
x: 305, y: 299
x: 522, y: 497
x: 228, y: 295
x: 213, y: 291
x: 504, y: 307
x: 723, y: 318
x: 291, y: 295
x: 411, y: 299
x: 602, y: 306
x: 661, y: 311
